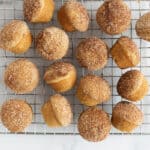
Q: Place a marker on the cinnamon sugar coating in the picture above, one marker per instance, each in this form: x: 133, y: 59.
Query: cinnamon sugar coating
x: 73, y: 16
x: 21, y: 76
x: 38, y: 10
x: 61, y: 76
x: 132, y: 85
x: 52, y: 43
x: 126, y: 116
x: 16, y: 115
x: 113, y: 16
x: 143, y: 27
x: 125, y: 53
x: 57, y: 111
x: 15, y: 36
x: 92, y: 53
x: 93, y: 90
x: 94, y: 124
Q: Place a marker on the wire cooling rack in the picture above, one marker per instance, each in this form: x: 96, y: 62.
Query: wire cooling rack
x: 12, y: 9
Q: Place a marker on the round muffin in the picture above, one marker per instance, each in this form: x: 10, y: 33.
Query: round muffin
x: 92, y: 53
x: 73, y: 16
x: 143, y: 27
x: 15, y: 36
x: 57, y: 111
x: 61, y: 76
x: 126, y: 116
x: 93, y: 90
x: 52, y: 43
x: 94, y: 124
x: 132, y: 85
x: 16, y: 115
x: 125, y: 53
x: 114, y: 16
x: 21, y: 76
x: 38, y: 10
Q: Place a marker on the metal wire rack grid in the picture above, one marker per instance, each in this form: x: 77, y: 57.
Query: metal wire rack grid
x: 12, y: 9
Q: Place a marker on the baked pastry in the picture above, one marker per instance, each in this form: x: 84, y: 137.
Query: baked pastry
x: 126, y: 116
x: 94, y: 124
x: 16, y: 115
x: 93, y: 90
x: 57, y: 111
x: 92, y: 53
x: 61, y: 76
x: 132, y: 85
x: 125, y: 53
x: 15, y: 36
x: 52, y: 43
x: 21, y: 76
x: 143, y: 27
x: 113, y: 16
x: 73, y: 16
x: 38, y: 10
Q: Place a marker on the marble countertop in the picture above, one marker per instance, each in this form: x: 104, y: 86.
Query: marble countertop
x: 56, y: 142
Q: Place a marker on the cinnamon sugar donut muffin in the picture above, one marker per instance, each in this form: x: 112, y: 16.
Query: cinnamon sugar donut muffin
x: 92, y: 53
x: 94, y: 124
x: 57, y: 111
x: 38, y: 10
x: 21, y: 76
x: 113, y: 16
x: 16, y: 115
x: 73, y: 16
x: 142, y: 27
x: 15, y: 37
x: 125, y: 53
x: 52, y: 43
x: 93, y: 90
x: 132, y: 85
x: 126, y: 116
x: 61, y: 76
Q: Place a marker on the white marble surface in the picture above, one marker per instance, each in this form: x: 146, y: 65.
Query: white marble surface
x: 47, y: 142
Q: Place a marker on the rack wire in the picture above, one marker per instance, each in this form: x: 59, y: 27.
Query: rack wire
x: 12, y: 9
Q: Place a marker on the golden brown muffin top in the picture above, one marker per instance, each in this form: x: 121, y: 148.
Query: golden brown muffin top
x: 58, y: 70
x: 21, y: 76
x: 114, y: 16
x: 129, y: 82
x: 16, y: 115
x: 32, y: 8
x: 77, y: 14
x: 143, y: 27
x: 92, y: 53
x: 95, y: 87
x: 62, y: 109
x: 129, y: 112
x: 94, y: 124
x: 52, y: 43
x: 12, y: 33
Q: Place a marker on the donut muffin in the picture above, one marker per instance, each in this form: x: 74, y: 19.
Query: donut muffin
x: 16, y: 115
x: 93, y: 90
x: 94, y: 124
x: 92, y: 53
x: 126, y: 116
x: 73, y: 16
x: 132, y: 85
x: 57, y: 111
x: 15, y: 37
x: 61, y: 76
x: 38, y: 10
x: 21, y: 76
x: 113, y: 16
x: 143, y: 27
x: 52, y: 43
x: 125, y: 53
